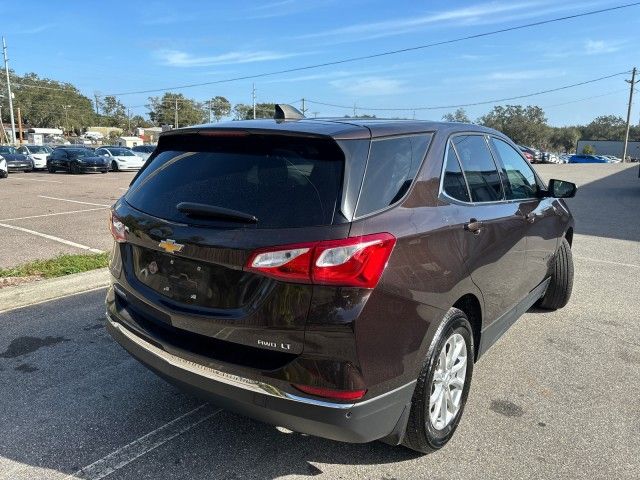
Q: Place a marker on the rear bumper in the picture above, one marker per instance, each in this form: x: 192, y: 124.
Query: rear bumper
x: 373, y: 419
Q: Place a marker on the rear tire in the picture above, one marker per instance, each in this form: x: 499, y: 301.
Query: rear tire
x: 74, y: 168
x: 426, y: 429
x: 114, y: 166
x: 561, y: 284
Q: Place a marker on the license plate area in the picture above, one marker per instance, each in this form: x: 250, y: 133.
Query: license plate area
x: 194, y: 282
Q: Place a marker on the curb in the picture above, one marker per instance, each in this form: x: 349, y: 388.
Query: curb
x: 44, y: 290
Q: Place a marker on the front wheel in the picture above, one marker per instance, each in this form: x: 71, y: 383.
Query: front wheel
x: 561, y: 283
x: 74, y: 168
x: 51, y: 169
x: 443, y: 385
x: 114, y: 166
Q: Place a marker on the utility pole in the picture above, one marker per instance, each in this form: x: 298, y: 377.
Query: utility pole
x: 95, y: 96
x: 210, y: 111
x: 66, y: 116
x: 354, y: 110
x: 176, y: 114
x: 632, y: 82
x: 253, y: 95
x: 304, y: 108
x: 6, y: 69
x: 129, y: 119
x: 20, y: 125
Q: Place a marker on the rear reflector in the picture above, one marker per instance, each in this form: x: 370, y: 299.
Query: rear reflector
x: 117, y: 228
x: 350, y: 262
x: 332, y: 394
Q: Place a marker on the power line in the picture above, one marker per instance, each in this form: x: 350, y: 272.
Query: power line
x: 383, y: 54
x: 485, y: 102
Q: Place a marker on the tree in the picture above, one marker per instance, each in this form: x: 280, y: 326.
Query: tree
x: 139, y: 121
x: 162, y: 110
x: 589, y: 150
x: 220, y: 107
x: 114, y: 113
x: 564, y: 138
x: 460, y: 115
x: 242, y: 111
x: 605, y: 127
x: 48, y: 103
x: 524, y: 125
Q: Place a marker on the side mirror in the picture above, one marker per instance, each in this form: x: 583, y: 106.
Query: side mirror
x: 561, y: 189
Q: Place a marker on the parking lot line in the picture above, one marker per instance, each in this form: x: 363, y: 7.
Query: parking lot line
x: 53, y: 214
x: 36, y: 180
x: 610, y: 262
x: 51, y: 237
x: 125, y: 455
x: 74, y: 201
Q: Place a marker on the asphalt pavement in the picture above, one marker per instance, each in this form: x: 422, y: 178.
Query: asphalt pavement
x: 557, y: 397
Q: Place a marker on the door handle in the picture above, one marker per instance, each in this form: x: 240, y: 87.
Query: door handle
x: 474, y: 226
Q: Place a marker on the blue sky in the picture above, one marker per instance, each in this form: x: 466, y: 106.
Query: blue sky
x: 119, y: 46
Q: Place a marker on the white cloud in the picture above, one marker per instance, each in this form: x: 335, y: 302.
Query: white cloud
x: 518, y: 75
x: 596, y: 47
x: 369, y: 86
x: 177, y: 58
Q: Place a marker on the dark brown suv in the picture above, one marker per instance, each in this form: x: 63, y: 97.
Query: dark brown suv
x: 335, y: 277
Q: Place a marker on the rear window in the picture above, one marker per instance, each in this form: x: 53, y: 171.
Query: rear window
x: 392, y: 166
x: 283, y: 181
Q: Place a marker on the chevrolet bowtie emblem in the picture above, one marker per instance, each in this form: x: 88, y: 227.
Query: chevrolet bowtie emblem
x: 170, y: 246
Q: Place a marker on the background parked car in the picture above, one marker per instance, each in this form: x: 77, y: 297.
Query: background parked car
x: 3, y: 168
x: 533, y: 155
x: 16, y: 162
x: 581, y: 158
x: 144, y: 151
x: 37, y: 154
x: 76, y: 160
x: 121, y: 158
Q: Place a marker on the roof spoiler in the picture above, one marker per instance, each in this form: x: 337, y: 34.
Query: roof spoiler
x: 287, y: 112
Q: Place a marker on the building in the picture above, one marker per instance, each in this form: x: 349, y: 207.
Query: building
x: 610, y: 147
x: 129, y: 141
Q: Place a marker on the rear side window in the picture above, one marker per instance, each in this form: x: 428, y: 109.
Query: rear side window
x: 454, y: 183
x: 283, y: 181
x: 479, y: 168
x: 393, y: 164
x: 520, y: 181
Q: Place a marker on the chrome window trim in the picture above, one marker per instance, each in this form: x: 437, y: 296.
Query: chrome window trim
x: 450, y: 199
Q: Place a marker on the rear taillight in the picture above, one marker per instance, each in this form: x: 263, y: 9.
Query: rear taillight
x: 528, y: 156
x: 331, y: 393
x: 350, y: 262
x: 117, y: 228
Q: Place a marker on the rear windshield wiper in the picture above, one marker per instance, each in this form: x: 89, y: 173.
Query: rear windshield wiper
x: 211, y: 211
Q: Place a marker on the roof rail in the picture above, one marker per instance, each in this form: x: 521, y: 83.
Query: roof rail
x: 287, y: 112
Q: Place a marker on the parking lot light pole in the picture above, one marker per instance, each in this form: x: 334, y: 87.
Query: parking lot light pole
x: 6, y: 69
x: 66, y: 117
x: 626, y: 135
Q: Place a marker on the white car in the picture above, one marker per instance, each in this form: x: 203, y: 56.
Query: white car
x: 121, y: 158
x: 37, y: 154
x: 4, y: 171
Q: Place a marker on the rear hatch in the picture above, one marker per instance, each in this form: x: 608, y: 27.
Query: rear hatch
x: 199, y: 208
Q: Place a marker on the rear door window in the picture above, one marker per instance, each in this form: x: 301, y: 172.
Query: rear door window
x: 392, y: 166
x: 283, y: 181
x: 454, y: 183
x: 479, y: 168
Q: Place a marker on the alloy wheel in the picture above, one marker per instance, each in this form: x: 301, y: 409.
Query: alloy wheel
x: 448, y: 382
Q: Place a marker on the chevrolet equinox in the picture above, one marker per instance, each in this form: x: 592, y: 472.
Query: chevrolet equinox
x: 339, y: 278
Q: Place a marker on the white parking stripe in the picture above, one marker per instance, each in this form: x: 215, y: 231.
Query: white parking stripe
x: 125, y: 455
x: 35, y: 180
x: 588, y: 259
x: 51, y: 237
x: 53, y: 214
x: 74, y: 201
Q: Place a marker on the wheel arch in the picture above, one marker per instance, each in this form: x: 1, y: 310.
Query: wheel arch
x: 470, y: 305
x: 569, y: 236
